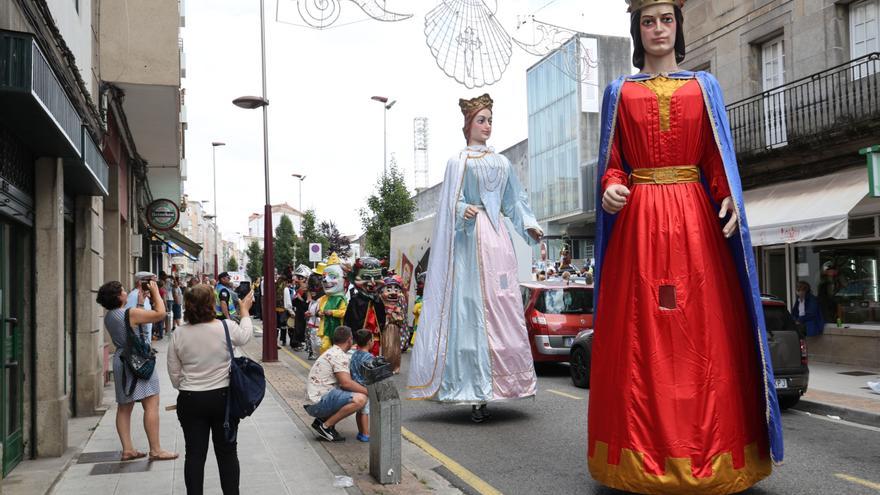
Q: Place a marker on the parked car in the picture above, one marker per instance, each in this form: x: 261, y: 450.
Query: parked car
x: 788, y: 352
x: 555, y: 312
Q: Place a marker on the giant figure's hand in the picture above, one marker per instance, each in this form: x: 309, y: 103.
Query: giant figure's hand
x: 728, y: 207
x: 536, y: 233
x: 470, y: 212
x: 614, y: 198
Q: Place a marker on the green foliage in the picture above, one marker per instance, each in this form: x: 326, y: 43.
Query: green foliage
x: 308, y: 234
x: 389, y: 206
x: 255, y: 260
x: 232, y: 264
x: 285, y: 244
x: 336, y: 242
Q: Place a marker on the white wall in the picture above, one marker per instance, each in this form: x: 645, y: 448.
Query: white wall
x: 76, y: 29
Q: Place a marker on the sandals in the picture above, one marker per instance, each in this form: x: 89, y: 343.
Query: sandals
x: 164, y: 456
x: 132, y: 455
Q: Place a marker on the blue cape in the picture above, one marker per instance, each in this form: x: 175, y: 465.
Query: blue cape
x: 740, y: 246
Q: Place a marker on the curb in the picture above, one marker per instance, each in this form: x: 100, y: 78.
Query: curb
x: 852, y: 415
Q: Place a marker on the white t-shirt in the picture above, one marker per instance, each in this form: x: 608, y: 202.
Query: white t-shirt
x: 198, y: 359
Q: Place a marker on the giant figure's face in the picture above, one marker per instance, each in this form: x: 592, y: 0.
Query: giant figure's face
x: 658, y: 29
x: 391, y: 293
x: 368, y: 276
x: 334, y: 279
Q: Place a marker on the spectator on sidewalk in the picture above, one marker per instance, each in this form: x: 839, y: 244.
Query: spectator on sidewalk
x: 806, y: 310
x: 198, y: 365
x: 134, y: 296
x: 363, y: 340
x: 159, y: 328
x: 176, y: 306
x: 113, y: 298
x: 225, y: 309
x: 331, y: 393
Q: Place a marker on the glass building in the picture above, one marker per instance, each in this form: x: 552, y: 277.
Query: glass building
x: 564, y: 97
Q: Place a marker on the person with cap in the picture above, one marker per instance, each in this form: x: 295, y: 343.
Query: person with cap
x: 300, y: 304
x: 223, y: 294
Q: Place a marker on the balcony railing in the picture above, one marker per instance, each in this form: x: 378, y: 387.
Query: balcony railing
x: 810, y: 109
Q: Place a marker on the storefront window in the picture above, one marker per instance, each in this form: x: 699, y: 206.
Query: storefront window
x: 844, y: 279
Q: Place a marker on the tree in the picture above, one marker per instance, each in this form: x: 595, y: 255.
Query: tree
x: 232, y: 264
x: 390, y: 206
x: 309, y: 233
x: 285, y: 244
x: 336, y: 242
x: 255, y: 260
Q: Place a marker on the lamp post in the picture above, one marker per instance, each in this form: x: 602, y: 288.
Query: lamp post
x: 301, y: 178
x: 270, y: 351
x: 384, y: 101
x: 214, y: 146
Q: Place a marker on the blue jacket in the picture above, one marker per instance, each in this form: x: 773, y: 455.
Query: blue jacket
x: 812, y: 318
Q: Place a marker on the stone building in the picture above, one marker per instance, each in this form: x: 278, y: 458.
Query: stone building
x: 800, y: 79
x: 89, y: 135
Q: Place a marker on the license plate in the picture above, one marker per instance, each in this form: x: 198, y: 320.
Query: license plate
x: 567, y: 341
x: 781, y: 383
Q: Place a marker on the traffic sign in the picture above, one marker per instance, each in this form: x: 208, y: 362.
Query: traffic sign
x: 315, y: 251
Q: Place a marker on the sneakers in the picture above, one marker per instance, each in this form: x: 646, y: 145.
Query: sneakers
x: 363, y: 438
x: 312, y: 357
x: 328, y: 434
x: 479, y: 414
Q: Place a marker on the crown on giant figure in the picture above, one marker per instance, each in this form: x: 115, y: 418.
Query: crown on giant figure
x: 634, y: 5
x: 478, y: 103
x: 333, y: 260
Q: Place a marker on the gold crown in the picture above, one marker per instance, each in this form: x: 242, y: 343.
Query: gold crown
x: 333, y: 260
x: 478, y: 103
x: 635, y: 5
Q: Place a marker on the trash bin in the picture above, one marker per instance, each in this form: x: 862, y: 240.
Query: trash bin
x: 385, y: 461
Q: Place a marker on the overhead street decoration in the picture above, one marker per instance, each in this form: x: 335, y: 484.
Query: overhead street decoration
x: 323, y: 14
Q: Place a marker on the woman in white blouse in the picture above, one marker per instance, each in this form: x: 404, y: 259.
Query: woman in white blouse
x: 198, y: 364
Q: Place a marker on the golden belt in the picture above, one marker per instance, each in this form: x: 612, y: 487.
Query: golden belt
x: 666, y: 175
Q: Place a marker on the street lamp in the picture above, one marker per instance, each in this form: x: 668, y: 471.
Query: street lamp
x: 384, y: 101
x: 270, y: 351
x: 214, y: 146
x: 301, y: 178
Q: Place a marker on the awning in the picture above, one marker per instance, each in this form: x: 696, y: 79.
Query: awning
x: 178, y: 242
x: 805, y: 210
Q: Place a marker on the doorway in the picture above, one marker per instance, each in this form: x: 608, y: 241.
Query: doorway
x: 14, y: 242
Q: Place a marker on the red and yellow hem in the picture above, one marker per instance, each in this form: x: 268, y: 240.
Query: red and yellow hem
x: 678, y: 478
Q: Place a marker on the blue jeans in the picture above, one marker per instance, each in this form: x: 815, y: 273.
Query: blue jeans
x: 333, y: 401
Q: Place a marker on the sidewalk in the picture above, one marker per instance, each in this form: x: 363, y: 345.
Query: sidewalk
x: 842, y: 391
x: 276, y: 453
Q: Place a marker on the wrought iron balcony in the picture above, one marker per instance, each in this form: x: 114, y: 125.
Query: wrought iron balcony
x: 814, y: 109
x: 38, y: 111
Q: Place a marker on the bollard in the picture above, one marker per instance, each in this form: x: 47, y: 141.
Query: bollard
x: 385, y: 460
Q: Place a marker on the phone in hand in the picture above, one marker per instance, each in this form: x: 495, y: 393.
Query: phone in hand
x: 145, y: 284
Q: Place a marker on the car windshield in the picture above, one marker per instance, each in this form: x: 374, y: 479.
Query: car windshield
x: 778, y: 318
x: 565, y: 301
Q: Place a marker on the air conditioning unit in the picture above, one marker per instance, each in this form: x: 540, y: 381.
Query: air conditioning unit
x: 137, y: 245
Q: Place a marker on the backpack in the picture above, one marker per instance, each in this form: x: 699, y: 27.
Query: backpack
x: 247, y: 386
x: 138, y: 357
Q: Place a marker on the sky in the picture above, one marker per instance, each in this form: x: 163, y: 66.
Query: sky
x: 322, y: 122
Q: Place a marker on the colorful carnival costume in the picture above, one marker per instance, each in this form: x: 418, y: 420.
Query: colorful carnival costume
x: 333, y: 301
x: 681, y: 393
x: 365, y: 309
x: 395, y: 320
x: 473, y: 347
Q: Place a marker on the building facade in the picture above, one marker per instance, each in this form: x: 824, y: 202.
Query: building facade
x: 565, y: 91
x: 74, y: 177
x: 800, y: 77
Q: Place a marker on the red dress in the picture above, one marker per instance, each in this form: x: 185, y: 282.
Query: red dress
x: 675, y: 403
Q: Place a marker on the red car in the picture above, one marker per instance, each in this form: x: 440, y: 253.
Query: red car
x: 555, y: 313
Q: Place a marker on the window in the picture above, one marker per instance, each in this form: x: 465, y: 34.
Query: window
x: 863, y: 28
x: 773, y: 76
x: 845, y: 279
x: 565, y: 301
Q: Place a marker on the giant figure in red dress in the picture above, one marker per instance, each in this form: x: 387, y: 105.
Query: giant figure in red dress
x: 680, y: 398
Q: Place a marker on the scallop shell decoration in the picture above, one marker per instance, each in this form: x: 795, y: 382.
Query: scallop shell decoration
x: 322, y: 14
x: 468, y: 42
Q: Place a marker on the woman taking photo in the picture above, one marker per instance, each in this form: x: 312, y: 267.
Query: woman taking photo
x: 113, y: 298
x: 198, y: 365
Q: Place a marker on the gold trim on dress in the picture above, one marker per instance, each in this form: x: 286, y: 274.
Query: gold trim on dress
x: 678, y: 478
x: 663, y: 88
x: 665, y: 175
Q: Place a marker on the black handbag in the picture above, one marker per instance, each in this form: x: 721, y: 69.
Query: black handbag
x: 247, y: 386
x: 138, y: 357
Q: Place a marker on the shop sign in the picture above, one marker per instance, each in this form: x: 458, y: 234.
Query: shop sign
x: 873, y: 155
x: 163, y: 214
